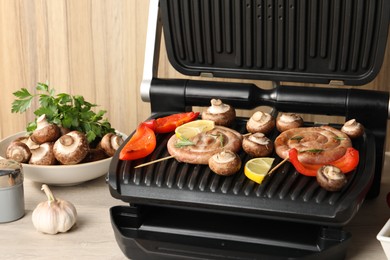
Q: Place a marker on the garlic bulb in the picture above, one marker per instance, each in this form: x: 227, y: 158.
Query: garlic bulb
x: 54, y: 215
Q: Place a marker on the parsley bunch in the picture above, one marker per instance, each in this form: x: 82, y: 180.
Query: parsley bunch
x: 72, y: 112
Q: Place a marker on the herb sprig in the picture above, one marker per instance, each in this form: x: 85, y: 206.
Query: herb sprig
x: 72, y: 112
x: 183, y: 143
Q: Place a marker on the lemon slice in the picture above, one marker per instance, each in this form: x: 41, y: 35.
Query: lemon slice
x: 257, y: 168
x: 193, y: 128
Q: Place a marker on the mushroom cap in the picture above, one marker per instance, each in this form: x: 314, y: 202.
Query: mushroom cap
x: 45, y: 132
x: 27, y: 140
x: 260, y: 122
x: 71, y: 148
x: 222, y: 114
x: 95, y: 154
x: 225, y: 163
x: 64, y: 130
x: 110, y: 143
x: 352, y: 128
x: 331, y: 178
x: 286, y: 121
x: 18, y: 151
x: 257, y: 145
x: 43, y: 155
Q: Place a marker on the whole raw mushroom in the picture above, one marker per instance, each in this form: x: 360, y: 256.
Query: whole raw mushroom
x: 225, y: 163
x: 71, y: 148
x: 331, y: 178
x: 95, y: 154
x: 27, y: 140
x: 222, y: 114
x: 260, y: 122
x: 45, y: 132
x: 18, y: 151
x: 353, y: 128
x: 286, y: 121
x: 43, y: 155
x: 110, y: 143
x: 257, y: 145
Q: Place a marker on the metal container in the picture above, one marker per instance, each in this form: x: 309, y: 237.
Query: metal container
x: 11, y: 191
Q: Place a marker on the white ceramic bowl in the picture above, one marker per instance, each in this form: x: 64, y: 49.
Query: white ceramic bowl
x: 384, y: 237
x: 65, y: 175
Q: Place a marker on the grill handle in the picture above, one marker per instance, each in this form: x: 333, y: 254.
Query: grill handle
x: 283, y: 98
x: 181, y: 94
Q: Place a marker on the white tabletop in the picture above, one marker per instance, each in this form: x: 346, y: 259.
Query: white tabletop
x: 93, y: 236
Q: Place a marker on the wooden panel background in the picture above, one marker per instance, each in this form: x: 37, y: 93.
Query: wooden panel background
x: 93, y: 48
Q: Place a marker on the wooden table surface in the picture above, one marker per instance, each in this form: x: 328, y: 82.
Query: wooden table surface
x: 93, y: 236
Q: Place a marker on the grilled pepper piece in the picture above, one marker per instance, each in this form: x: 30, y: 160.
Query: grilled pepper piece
x: 347, y: 163
x: 309, y: 170
x: 140, y: 145
x: 143, y: 142
x: 169, y: 123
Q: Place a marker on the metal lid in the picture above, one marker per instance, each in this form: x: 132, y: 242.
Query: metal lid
x: 327, y: 42
x: 11, y: 173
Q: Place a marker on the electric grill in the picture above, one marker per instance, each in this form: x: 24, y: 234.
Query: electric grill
x: 184, y: 211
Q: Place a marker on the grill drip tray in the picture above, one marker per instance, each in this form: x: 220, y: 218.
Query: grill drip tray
x: 184, y: 211
x: 151, y: 232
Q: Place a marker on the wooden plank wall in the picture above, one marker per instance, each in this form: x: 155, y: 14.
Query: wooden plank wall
x: 85, y: 47
x: 93, y: 48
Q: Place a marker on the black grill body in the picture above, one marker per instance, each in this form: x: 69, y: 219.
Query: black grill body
x: 184, y: 211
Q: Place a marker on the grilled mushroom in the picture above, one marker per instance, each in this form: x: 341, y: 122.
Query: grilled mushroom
x: 71, y: 148
x: 260, y: 122
x: 257, y: 145
x: 287, y: 121
x: 110, y: 143
x: 18, y: 151
x: 45, y: 132
x: 225, y: 163
x: 353, y: 128
x: 331, y: 178
x: 43, y: 155
x: 222, y: 114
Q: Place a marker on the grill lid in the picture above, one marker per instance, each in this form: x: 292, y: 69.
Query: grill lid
x: 306, y: 41
x: 285, y: 195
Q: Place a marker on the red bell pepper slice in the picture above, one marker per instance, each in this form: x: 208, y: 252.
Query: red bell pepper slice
x: 140, y: 145
x: 346, y: 163
x: 151, y: 124
x: 300, y: 167
x: 349, y: 161
x: 143, y: 142
x: 169, y: 123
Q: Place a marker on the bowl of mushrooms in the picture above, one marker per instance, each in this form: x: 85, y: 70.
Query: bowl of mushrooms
x: 66, y: 161
x: 68, y: 142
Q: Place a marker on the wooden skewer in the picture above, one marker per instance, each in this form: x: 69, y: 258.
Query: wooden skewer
x: 277, y: 166
x: 154, y: 161
x: 171, y: 156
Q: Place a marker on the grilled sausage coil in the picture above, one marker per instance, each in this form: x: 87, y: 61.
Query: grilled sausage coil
x: 205, y: 145
x: 316, y: 145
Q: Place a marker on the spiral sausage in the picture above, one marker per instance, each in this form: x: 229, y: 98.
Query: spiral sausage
x: 205, y: 145
x: 316, y: 145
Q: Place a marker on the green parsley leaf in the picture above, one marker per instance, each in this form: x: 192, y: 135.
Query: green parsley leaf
x: 65, y: 110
